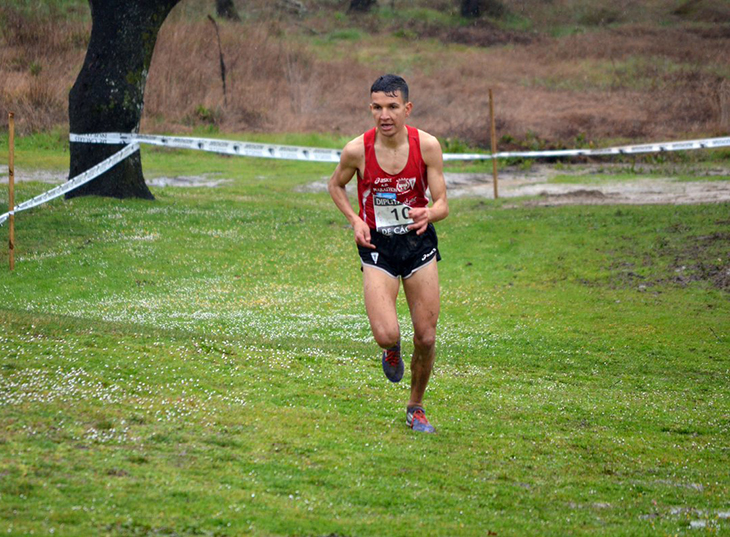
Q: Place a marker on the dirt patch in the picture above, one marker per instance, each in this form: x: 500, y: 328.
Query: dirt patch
x: 536, y: 185
x: 676, y: 257
x: 645, y: 192
x: 539, y: 186
x: 483, y: 33
x: 40, y: 176
x: 189, y: 181
x: 704, y: 258
x: 209, y: 180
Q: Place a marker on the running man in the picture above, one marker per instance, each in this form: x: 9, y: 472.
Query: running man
x: 395, y: 165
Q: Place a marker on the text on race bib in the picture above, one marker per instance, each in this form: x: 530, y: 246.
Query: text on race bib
x: 391, y: 216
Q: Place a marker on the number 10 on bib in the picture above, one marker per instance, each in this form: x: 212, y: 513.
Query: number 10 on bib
x: 391, y: 216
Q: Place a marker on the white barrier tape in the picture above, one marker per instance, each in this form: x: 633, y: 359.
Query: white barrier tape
x: 311, y: 154
x: 287, y: 152
x: 71, y: 184
x: 706, y: 143
x: 226, y: 147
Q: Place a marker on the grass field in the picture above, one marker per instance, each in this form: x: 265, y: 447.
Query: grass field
x: 202, y: 365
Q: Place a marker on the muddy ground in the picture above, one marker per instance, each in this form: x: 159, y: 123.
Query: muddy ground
x: 705, y: 258
x: 536, y: 186
x: 583, y: 187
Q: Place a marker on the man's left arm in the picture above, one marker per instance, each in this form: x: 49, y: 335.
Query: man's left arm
x: 439, y: 209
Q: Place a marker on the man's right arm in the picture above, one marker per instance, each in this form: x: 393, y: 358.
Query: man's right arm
x: 350, y: 161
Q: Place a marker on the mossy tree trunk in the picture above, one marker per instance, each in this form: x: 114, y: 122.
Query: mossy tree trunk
x: 361, y: 6
x: 227, y: 10
x: 108, y: 94
x: 471, y: 8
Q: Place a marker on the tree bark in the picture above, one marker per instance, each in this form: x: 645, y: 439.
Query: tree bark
x: 361, y: 6
x: 471, y: 8
x: 474, y: 9
x: 227, y: 10
x: 108, y: 95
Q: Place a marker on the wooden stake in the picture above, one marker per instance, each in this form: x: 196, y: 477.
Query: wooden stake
x: 11, y: 187
x: 494, y: 144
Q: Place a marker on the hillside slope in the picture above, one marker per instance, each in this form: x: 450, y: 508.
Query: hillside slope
x: 562, y: 72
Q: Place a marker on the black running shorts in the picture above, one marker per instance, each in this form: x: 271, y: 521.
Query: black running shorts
x: 401, y: 255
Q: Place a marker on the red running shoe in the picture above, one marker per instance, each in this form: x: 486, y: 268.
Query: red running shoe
x: 416, y: 420
x: 393, y: 366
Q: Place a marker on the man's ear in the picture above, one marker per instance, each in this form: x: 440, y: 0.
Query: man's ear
x: 409, y: 107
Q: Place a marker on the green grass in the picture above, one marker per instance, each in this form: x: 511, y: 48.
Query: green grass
x: 639, y: 73
x: 50, y: 8
x: 202, y: 365
x: 47, y: 151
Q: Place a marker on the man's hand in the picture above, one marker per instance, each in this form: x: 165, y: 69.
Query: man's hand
x: 420, y: 218
x: 362, y: 234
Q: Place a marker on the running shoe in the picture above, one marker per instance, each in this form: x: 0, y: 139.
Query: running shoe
x: 416, y: 420
x: 393, y: 366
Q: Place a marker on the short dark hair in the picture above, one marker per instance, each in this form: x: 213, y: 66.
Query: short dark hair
x: 390, y: 84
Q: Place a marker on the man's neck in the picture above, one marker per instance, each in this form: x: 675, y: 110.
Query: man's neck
x: 395, y: 141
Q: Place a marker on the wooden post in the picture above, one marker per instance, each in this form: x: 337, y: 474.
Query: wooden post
x: 493, y: 136
x: 725, y: 105
x: 11, y: 187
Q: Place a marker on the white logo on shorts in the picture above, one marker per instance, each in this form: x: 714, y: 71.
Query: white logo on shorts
x: 374, y: 255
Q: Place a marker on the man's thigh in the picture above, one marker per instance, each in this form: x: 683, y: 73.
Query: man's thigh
x: 422, y: 293
x: 381, y: 292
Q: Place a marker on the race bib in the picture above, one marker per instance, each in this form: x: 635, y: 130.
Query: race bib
x: 391, y: 216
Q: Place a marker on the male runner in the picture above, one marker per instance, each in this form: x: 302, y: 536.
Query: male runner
x: 395, y: 164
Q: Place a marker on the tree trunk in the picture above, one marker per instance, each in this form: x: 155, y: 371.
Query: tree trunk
x: 108, y: 94
x: 361, y: 6
x: 226, y: 10
x: 471, y: 8
x: 474, y: 9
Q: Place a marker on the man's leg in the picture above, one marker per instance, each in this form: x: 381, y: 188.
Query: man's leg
x: 381, y: 291
x: 422, y: 294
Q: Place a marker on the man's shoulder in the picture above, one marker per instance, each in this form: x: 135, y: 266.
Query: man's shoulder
x: 428, y: 140
x: 354, y: 151
x: 430, y: 146
x: 355, y: 144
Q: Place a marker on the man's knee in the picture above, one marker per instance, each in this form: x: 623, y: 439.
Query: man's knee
x: 424, y: 339
x: 386, y: 337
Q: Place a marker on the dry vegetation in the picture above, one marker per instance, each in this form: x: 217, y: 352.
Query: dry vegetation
x: 39, y: 60
x: 593, y: 73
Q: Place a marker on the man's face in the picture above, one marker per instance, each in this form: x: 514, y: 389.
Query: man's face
x: 389, y: 112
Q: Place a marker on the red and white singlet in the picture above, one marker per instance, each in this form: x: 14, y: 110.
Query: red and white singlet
x: 385, y: 199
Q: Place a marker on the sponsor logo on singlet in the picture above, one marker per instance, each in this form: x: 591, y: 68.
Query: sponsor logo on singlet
x: 402, y: 184
x: 405, y: 184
